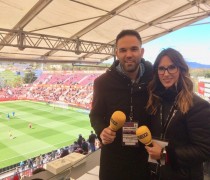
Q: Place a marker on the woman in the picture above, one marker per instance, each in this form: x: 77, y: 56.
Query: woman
x: 179, y: 117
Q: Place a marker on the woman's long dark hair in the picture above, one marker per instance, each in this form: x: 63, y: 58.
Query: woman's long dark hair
x: 184, y: 99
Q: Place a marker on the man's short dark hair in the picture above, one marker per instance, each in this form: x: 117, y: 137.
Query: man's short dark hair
x: 129, y: 32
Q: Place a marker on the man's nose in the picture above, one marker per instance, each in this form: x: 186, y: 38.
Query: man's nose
x: 128, y: 53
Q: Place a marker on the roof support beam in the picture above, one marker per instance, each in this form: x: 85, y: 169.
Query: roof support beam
x: 159, y: 20
x: 22, y: 40
x: 99, y: 21
x: 166, y: 16
x: 36, y: 9
x: 75, y: 61
x: 175, y: 28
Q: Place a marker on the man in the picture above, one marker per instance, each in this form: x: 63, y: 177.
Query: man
x: 30, y: 125
x: 85, y: 146
x: 92, y: 141
x: 8, y: 116
x: 30, y: 163
x: 123, y: 87
x: 10, y: 134
x: 79, y: 140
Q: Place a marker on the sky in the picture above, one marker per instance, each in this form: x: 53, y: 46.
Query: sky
x: 192, y: 41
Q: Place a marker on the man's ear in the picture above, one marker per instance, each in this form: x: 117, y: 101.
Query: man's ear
x: 116, y: 53
x: 142, y: 52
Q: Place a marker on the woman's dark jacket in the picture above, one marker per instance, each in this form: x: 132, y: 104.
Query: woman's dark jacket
x: 188, y: 136
x: 112, y: 92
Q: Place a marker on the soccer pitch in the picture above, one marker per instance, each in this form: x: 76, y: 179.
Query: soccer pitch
x: 52, y: 128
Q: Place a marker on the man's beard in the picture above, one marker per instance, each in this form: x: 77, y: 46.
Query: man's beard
x: 130, y: 68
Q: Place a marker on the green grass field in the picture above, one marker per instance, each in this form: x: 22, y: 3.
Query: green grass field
x: 51, y: 129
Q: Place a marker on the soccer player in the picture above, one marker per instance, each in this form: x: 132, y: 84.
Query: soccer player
x: 8, y: 116
x: 30, y: 125
x: 10, y: 134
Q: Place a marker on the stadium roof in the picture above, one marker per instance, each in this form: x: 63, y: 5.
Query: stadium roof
x: 85, y: 30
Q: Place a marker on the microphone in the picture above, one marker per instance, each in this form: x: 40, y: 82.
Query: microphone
x: 144, y: 135
x: 117, y: 120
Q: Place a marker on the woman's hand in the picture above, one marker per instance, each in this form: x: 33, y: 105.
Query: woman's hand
x: 154, y: 151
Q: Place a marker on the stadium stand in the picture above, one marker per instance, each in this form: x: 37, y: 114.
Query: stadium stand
x: 75, y: 89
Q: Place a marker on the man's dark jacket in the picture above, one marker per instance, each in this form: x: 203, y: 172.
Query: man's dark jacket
x: 112, y: 92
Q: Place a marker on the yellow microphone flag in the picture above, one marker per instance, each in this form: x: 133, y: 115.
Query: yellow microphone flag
x: 117, y: 120
x: 144, y: 135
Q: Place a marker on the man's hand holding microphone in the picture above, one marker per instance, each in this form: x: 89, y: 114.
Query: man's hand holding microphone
x: 117, y: 120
